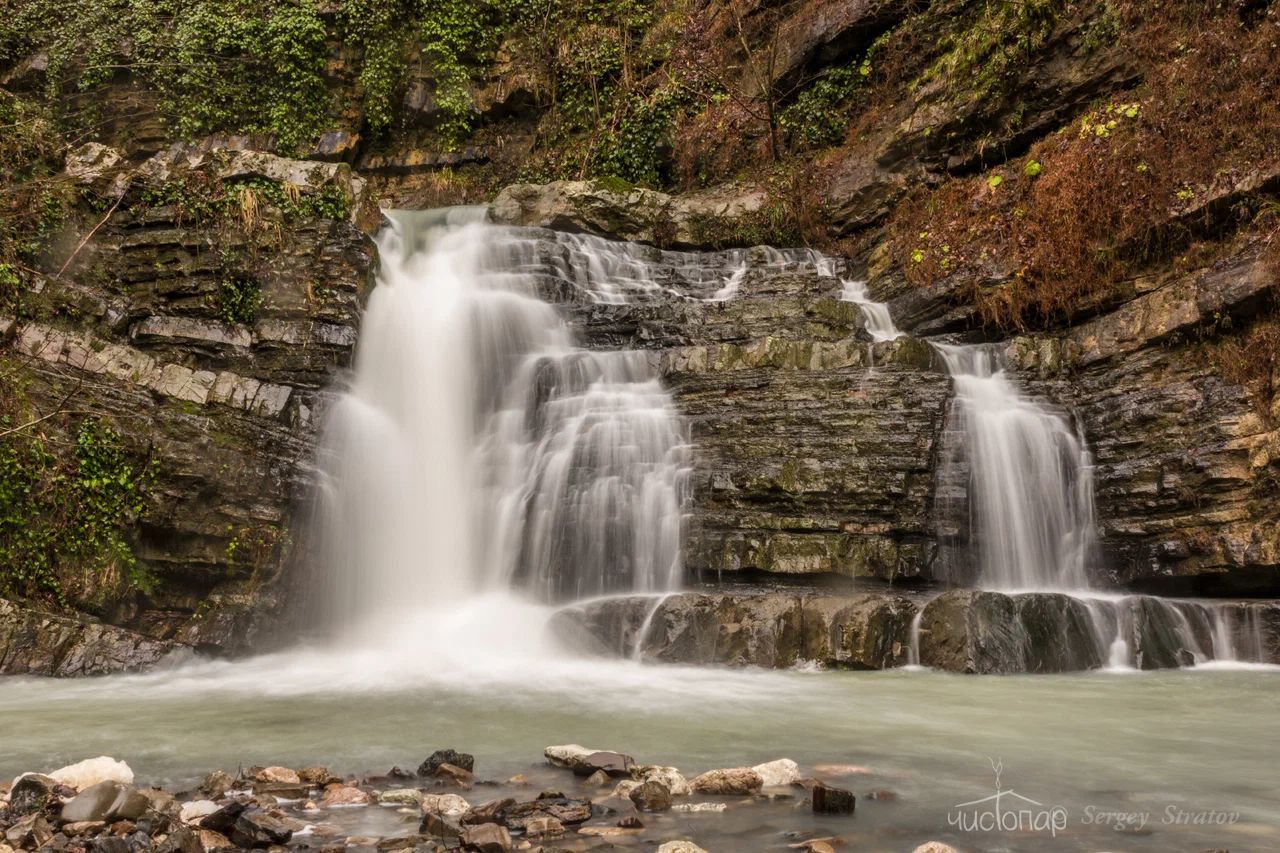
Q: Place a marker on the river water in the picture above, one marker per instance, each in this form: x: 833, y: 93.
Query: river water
x: 1190, y: 741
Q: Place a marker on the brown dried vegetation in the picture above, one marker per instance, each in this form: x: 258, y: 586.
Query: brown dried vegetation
x: 1134, y: 180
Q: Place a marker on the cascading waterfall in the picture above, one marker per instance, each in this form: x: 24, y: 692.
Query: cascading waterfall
x: 480, y: 448
x: 1030, y: 495
x: 1016, y: 490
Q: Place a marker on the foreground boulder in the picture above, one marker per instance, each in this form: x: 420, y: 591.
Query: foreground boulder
x: 105, y: 801
x: 30, y: 793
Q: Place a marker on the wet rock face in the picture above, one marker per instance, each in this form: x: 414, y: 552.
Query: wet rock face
x: 1186, y: 462
x: 967, y: 631
x: 36, y: 643
x: 814, y: 447
x: 870, y: 631
x: 623, y: 212
x: 223, y: 406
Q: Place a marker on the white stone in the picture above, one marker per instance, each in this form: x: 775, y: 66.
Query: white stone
x: 695, y: 808
x: 91, y: 771
x: 680, y: 847
x: 278, y: 776
x: 778, y: 773
x: 568, y: 754
x: 196, y: 809
x: 448, y: 805
x: 192, y: 329
x: 935, y: 847
x: 401, y: 796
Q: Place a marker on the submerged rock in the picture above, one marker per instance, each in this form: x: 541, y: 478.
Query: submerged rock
x: 698, y: 808
x: 680, y: 847
x: 734, y: 780
x: 834, y: 801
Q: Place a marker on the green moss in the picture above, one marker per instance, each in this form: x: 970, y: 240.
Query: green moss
x: 988, y: 50
x: 62, y: 514
x: 238, y: 299
x: 612, y: 184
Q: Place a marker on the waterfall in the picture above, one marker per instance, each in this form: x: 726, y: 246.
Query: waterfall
x: 879, y: 321
x: 479, y: 447
x: 1030, y: 488
x: 1015, y: 513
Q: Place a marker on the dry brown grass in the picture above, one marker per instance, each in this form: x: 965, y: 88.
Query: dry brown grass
x: 1036, y: 250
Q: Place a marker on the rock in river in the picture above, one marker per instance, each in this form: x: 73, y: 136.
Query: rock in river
x: 446, y: 756
x: 669, y: 776
x: 734, y: 780
x: 105, y: 801
x: 829, y: 800
x: 259, y: 829
x: 651, y: 796
x: 776, y: 774
x: 518, y: 816
x: 487, y: 838
x: 91, y: 771
x: 450, y: 805
x: 277, y: 775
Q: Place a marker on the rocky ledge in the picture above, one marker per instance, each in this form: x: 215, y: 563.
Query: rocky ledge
x: 959, y: 631
x: 37, y: 643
